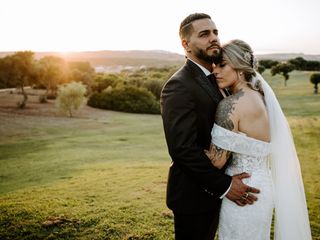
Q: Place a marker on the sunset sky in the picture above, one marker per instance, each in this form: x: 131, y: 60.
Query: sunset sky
x: 270, y: 26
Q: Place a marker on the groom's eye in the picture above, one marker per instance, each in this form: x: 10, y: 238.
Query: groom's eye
x: 204, y: 34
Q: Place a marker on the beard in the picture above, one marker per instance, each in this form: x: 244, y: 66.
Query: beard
x: 214, y: 58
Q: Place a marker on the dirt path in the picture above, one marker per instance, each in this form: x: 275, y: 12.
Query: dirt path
x: 9, y: 99
x: 19, y: 122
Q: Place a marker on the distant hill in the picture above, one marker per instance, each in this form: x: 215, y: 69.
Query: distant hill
x: 286, y: 56
x: 118, y: 60
x: 110, y: 61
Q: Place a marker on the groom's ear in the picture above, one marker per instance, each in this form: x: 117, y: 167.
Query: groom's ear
x: 185, y: 44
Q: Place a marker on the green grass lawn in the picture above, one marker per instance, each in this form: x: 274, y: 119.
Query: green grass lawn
x: 105, y: 177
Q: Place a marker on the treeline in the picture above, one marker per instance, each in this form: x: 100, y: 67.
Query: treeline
x: 284, y: 68
x: 298, y: 63
x: 21, y: 69
x: 129, y: 91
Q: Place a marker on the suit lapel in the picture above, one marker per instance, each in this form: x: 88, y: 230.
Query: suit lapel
x: 200, y: 78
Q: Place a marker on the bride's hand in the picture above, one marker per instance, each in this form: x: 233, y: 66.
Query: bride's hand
x: 218, y: 156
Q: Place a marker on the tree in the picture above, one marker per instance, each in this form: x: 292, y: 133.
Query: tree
x: 315, y: 79
x: 299, y: 63
x: 312, y: 66
x: 20, y: 72
x: 82, y: 72
x: 261, y: 69
x: 52, y: 71
x: 5, y: 70
x: 71, y: 97
x: 267, y: 63
x: 282, y: 69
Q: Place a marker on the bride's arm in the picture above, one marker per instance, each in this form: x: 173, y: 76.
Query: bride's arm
x: 226, y: 117
x: 218, y: 156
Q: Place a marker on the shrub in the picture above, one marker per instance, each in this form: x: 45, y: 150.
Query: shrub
x: 51, y: 96
x: 155, y: 87
x: 71, y: 97
x: 102, y: 81
x: 126, y: 99
x: 43, y: 99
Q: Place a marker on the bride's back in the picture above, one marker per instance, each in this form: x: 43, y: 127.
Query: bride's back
x: 250, y: 115
x: 253, y: 116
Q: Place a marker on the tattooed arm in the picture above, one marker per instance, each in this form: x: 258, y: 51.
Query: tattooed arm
x: 218, y: 156
x: 226, y: 117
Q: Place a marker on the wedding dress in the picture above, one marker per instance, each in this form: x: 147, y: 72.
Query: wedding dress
x: 249, y: 155
x: 275, y: 170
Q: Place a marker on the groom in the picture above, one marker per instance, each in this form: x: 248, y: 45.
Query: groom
x: 188, y: 104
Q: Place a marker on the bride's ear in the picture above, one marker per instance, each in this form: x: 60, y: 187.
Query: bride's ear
x: 241, y: 75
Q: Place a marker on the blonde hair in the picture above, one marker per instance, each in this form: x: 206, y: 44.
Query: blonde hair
x: 240, y: 56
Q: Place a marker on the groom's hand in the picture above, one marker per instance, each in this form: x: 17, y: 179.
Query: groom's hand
x: 241, y: 193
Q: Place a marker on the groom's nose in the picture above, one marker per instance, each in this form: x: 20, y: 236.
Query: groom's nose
x: 214, y: 38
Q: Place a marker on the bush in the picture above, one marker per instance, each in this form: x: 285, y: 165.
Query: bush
x: 51, y: 96
x: 126, y: 99
x: 102, y: 81
x: 155, y: 87
x: 71, y: 97
x: 43, y: 99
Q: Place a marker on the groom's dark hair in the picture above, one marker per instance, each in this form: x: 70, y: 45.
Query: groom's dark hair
x: 186, y: 25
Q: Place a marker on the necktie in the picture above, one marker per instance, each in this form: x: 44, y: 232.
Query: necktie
x: 212, y: 80
x: 213, y: 86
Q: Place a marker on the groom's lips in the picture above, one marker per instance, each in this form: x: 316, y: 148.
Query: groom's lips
x: 214, y: 47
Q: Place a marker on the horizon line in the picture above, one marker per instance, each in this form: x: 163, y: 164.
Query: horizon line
x: 146, y: 50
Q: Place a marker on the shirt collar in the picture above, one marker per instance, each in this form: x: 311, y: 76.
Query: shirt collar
x: 206, y: 71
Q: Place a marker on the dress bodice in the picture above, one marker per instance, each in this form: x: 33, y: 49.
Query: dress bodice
x: 249, y: 154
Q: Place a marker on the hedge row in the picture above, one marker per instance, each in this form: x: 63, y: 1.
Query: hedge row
x: 126, y: 99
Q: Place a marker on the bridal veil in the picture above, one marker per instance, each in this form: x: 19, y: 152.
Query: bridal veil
x: 291, y: 213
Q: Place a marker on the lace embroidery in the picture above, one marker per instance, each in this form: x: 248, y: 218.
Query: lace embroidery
x: 239, y: 143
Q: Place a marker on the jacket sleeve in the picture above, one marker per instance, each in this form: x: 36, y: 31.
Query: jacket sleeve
x: 180, y: 122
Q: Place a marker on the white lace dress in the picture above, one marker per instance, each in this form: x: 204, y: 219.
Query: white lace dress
x: 249, y: 155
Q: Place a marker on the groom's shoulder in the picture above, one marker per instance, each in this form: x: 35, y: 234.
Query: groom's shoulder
x: 186, y: 71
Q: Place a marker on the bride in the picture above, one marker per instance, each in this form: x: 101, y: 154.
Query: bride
x: 251, y: 125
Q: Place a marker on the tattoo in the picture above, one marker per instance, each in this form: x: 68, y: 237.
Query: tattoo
x: 219, y: 153
x: 217, y: 156
x: 225, y: 109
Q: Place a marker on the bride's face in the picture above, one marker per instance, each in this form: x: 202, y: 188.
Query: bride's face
x: 226, y: 76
